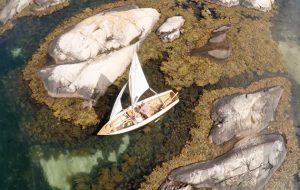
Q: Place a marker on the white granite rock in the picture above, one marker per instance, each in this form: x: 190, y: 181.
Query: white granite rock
x: 12, y: 8
x: 248, y: 166
x: 16, y: 6
x: 263, y: 5
x: 227, y: 3
x: 97, y: 51
x: 106, y: 31
x: 171, y: 29
x: 87, y: 79
x: 44, y: 4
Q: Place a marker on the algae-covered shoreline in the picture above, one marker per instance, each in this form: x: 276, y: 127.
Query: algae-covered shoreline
x: 253, y: 50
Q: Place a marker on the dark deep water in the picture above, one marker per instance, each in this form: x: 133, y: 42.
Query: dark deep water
x: 67, y: 162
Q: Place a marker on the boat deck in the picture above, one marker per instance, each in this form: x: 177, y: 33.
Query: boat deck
x: 130, y: 117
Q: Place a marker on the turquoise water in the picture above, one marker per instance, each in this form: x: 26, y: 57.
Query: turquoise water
x: 40, y: 152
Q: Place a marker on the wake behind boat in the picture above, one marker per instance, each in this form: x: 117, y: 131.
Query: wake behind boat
x: 141, y: 112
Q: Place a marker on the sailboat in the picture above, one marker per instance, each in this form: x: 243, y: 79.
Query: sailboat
x: 140, y: 112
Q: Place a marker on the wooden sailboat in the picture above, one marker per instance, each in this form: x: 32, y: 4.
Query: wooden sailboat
x: 140, y: 112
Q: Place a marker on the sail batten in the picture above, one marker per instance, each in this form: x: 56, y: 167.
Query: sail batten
x: 137, y: 81
x: 118, y: 105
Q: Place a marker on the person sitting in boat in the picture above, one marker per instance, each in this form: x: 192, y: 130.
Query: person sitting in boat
x: 143, y: 109
x: 138, y: 117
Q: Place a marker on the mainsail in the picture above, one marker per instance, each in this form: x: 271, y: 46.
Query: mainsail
x: 137, y: 81
x: 118, y: 105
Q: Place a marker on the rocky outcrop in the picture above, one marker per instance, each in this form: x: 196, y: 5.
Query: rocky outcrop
x: 86, y: 79
x: 44, y: 4
x: 119, y: 31
x: 263, y: 5
x: 12, y: 8
x: 171, y: 29
x: 106, y: 31
x: 249, y: 166
x: 217, y: 46
x: 219, y: 53
x: 16, y: 6
x: 243, y: 115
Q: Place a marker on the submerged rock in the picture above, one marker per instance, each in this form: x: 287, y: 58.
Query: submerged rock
x: 219, y: 53
x: 217, y: 46
x: 106, y: 31
x: 218, y: 39
x: 242, y: 115
x: 224, y: 28
x: 58, y: 167
x: 87, y: 79
x: 249, y: 166
x: 171, y: 29
x: 263, y: 5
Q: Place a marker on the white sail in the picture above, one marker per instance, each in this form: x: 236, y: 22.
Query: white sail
x: 118, y: 105
x: 137, y: 81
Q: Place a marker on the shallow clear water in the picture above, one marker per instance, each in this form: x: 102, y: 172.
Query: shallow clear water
x: 40, y: 152
x: 47, y: 158
x: 286, y: 30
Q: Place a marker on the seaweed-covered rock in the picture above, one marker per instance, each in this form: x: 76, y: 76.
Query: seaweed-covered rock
x: 218, y: 39
x: 217, y: 46
x: 249, y: 165
x: 12, y: 8
x: 106, y: 31
x: 242, y: 115
x: 88, y: 79
x: 263, y: 5
x: 224, y: 28
x: 171, y: 29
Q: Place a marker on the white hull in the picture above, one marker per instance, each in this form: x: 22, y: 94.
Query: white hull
x: 106, y: 130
